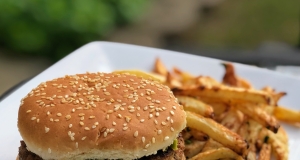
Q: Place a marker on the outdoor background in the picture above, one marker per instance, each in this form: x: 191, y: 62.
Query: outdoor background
x: 35, y: 34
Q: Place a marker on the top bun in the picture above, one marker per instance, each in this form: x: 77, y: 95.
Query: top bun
x: 99, y: 116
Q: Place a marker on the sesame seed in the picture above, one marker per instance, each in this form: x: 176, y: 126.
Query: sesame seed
x: 111, y: 130
x: 157, y: 114
x: 125, y: 124
x: 174, y: 107
x: 136, y: 133
x: 70, y: 125
x: 151, y: 106
x: 142, y: 120
x: 93, y: 126
x: 28, y: 111
x: 107, y: 93
x: 163, y: 123
x: 150, y: 115
x: 51, y: 119
x: 33, y: 118
x: 143, y: 139
x: 86, y: 128
x: 81, y: 114
x: 38, y: 120
x: 157, y: 101
x: 153, y: 140
x: 110, y: 111
x: 171, y: 120
x: 172, y: 113
x: 148, y: 98
x: 76, y: 144
x: 107, y: 116
x: 166, y: 138
x: 82, y: 118
x: 105, y: 134
x: 155, y: 121
x: 125, y: 128
x: 159, y: 132
x: 47, y: 129
x: 68, y: 117
x: 96, y: 123
x: 132, y: 110
x: 56, y: 120
x: 127, y: 119
x: 114, y: 123
x: 59, y: 114
x: 164, y: 108
x: 119, y: 116
x: 172, y: 129
x: 91, y: 117
x: 145, y: 108
x: 83, y: 138
x: 138, y: 114
x: 168, y: 118
x: 49, y: 150
x: 147, y: 145
x: 81, y: 123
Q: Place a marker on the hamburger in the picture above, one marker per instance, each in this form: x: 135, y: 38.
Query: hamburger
x: 101, y: 116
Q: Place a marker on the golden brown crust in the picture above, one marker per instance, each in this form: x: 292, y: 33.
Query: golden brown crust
x: 99, y: 112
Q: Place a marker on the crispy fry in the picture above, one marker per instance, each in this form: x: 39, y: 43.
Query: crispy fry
x: 275, y: 95
x: 259, y: 115
x: 172, y: 82
x: 265, y: 152
x: 228, y: 94
x: 232, y: 120
x: 231, y: 79
x: 211, y: 144
x: 217, y: 154
x: 198, y: 135
x: 277, y: 141
x: 196, y: 106
x: 184, y: 76
x: 286, y: 115
x: 217, y: 132
x: 160, y: 68
x: 143, y: 74
x: 193, y: 148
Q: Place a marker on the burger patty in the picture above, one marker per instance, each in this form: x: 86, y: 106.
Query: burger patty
x: 169, y: 154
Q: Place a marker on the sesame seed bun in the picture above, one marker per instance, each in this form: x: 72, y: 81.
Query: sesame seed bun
x: 99, y: 116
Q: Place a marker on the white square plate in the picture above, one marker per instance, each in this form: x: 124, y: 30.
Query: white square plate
x: 106, y: 57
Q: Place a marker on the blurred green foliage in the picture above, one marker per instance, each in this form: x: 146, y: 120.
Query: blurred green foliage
x: 55, y: 28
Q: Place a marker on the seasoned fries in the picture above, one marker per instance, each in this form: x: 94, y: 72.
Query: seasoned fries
x: 218, y: 153
x: 287, y: 115
x: 217, y: 132
x: 229, y: 119
x: 196, y: 106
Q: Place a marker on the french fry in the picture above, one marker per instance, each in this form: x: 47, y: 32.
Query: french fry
x: 249, y: 131
x: 143, y: 74
x: 172, y: 82
x: 275, y: 95
x: 231, y: 79
x: 277, y: 141
x: 265, y: 152
x: 193, y: 148
x: 286, y: 115
x: 160, y: 68
x: 217, y: 154
x: 198, y: 135
x: 232, y: 120
x: 259, y: 115
x: 184, y: 76
x: 228, y: 94
x: 196, y: 106
x: 211, y: 144
x: 218, y: 132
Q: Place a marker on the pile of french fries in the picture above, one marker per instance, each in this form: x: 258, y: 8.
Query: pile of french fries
x: 229, y: 119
